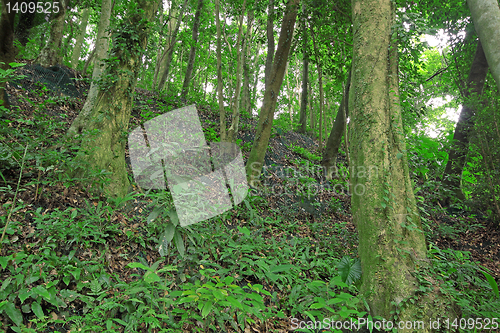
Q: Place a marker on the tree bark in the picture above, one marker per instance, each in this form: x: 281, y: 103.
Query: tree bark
x: 220, y: 97
x: 321, y: 94
x: 26, y: 22
x: 101, y: 51
x: 169, y: 52
x: 192, y: 52
x: 270, y: 42
x: 486, y: 17
x: 391, y: 241
x: 103, y: 143
x: 233, y: 129
x: 332, y: 146
x: 456, y: 161
x: 51, y: 53
x: 246, y: 65
x: 8, y: 51
x: 79, y: 41
x: 256, y: 158
x: 305, y: 72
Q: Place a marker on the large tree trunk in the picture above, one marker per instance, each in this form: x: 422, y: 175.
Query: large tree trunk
x: 266, y: 117
x: 101, y: 51
x: 456, y: 161
x: 8, y: 51
x: 79, y: 41
x: 103, y: 142
x: 332, y: 146
x: 168, y: 53
x: 192, y: 52
x: 51, y: 54
x: 391, y: 241
x: 305, y: 72
x: 486, y: 17
x: 270, y: 42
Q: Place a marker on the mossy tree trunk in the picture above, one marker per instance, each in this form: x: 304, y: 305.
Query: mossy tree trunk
x: 101, y: 51
x: 456, y: 161
x: 270, y: 42
x: 51, y: 54
x: 486, y: 17
x: 104, y: 140
x: 266, y: 116
x: 391, y: 241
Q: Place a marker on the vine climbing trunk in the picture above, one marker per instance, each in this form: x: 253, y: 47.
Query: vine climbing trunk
x: 103, y: 144
x: 263, y: 132
x: 391, y: 241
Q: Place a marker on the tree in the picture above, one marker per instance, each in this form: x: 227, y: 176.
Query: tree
x: 266, y: 116
x: 486, y: 17
x: 332, y: 145
x: 270, y: 42
x: 51, y: 54
x: 85, y: 12
x: 8, y: 51
x: 192, y: 52
x: 305, y: 72
x: 456, y: 161
x: 103, y: 143
x: 166, y: 58
x: 101, y: 50
x: 391, y: 240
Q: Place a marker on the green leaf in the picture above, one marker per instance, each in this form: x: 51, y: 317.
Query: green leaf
x: 349, y: 269
x: 138, y: 265
x: 154, y: 214
x: 14, y: 314
x: 281, y: 268
x: 493, y: 284
x: 37, y: 310
x: 23, y: 294
x: 151, y: 277
x: 399, y: 155
x: 207, y: 307
x: 4, y: 261
x: 179, y: 242
x: 42, y: 292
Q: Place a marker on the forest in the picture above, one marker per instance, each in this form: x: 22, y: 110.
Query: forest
x: 249, y: 166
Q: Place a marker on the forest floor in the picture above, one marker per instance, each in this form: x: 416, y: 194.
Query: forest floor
x: 308, y: 206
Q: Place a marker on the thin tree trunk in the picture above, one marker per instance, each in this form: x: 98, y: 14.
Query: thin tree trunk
x: 486, y: 17
x: 332, y: 146
x: 8, y: 51
x: 321, y: 95
x: 159, y: 52
x: 166, y: 59
x: 246, y: 65
x: 79, y: 41
x: 222, y: 110
x: 305, y: 73
x: 270, y: 42
x: 456, y: 161
x: 51, y: 53
x: 192, y: 52
x: 103, y: 143
x: 101, y: 51
x: 233, y: 130
x: 256, y: 158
